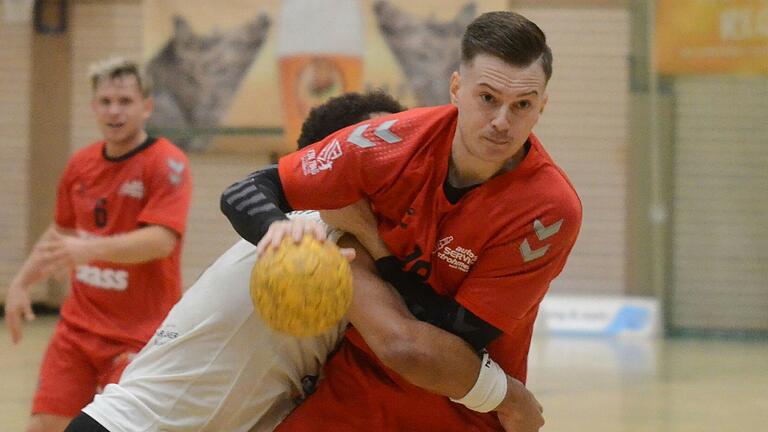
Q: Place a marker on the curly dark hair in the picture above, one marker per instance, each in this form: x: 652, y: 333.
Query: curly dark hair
x: 342, y: 111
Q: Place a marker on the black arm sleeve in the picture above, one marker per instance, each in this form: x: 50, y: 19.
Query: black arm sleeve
x: 252, y: 204
x: 428, y: 306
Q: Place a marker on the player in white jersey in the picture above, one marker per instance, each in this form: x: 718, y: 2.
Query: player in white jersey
x: 214, y: 365
x: 204, y: 370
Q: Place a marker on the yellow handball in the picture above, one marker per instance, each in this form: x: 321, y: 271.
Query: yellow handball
x: 302, y: 289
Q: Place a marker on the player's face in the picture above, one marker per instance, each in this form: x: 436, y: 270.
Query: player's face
x: 121, y: 110
x: 499, y: 104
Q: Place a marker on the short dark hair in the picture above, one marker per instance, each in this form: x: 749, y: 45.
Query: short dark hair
x: 342, y: 111
x: 508, y: 36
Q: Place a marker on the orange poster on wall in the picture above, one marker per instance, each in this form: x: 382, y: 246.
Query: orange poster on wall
x: 712, y: 36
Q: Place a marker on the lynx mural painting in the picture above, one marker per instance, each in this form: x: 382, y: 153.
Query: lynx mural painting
x: 195, y: 77
x: 426, y: 49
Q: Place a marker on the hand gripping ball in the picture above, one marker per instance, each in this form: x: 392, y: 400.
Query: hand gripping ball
x: 302, y: 289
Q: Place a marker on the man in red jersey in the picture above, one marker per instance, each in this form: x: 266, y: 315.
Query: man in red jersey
x: 476, y: 216
x: 121, y: 212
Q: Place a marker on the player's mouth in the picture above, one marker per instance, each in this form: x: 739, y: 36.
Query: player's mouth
x: 496, y: 141
x: 115, y: 126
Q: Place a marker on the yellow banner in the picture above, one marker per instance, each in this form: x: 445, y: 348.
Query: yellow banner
x: 712, y: 36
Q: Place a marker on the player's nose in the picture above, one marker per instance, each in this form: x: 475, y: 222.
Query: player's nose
x: 500, y: 121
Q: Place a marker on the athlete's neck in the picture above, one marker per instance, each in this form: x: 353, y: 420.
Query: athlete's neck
x: 466, y: 170
x: 116, y: 149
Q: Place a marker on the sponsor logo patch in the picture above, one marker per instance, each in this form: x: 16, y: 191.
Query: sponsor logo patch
x: 104, y: 278
x: 457, y: 257
x: 312, y: 163
x: 133, y: 189
x: 165, y: 334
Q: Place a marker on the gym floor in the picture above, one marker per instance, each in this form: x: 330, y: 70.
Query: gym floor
x: 584, y: 384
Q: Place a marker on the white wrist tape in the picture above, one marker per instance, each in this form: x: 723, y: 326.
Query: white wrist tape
x: 489, y: 389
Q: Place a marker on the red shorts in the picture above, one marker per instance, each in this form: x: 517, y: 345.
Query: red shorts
x: 77, y: 364
x: 357, y: 394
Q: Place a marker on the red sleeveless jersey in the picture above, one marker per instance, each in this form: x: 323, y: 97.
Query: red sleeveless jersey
x: 100, y: 196
x: 495, y: 251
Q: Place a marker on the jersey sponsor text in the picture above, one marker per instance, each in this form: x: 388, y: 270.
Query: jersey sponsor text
x: 105, y: 278
x: 458, y: 258
x: 133, y: 189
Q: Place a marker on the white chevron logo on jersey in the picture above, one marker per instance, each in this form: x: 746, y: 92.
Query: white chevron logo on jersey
x: 177, y: 167
x: 532, y: 254
x: 383, y: 132
x: 542, y: 233
x: 545, y: 232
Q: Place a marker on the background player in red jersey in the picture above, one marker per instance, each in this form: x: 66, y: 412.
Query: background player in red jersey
x: 121, y: 212
x: 187, y: 376
x: 478, y: 220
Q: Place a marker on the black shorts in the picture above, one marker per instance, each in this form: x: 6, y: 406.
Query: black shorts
x: 84, y: 423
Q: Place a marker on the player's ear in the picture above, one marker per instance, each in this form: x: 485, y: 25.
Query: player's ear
x: 455, y: 84
x: 149, y: 105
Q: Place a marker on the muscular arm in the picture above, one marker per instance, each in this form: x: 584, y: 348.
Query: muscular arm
x: 414, y: 349
x: 417, y: 350
x: 420, y: 299
x: 440, y: 311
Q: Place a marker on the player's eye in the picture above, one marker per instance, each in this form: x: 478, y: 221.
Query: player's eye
x: 523, y: 104
x: 487, y: 98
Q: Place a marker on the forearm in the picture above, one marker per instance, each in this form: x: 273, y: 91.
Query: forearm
x: 138, y: 246
x: 432, y: 308
x: 29, y: 274
x: 429, y: 357
x: 414, y: 349
x: 418, y: 353
x: 32, y: 270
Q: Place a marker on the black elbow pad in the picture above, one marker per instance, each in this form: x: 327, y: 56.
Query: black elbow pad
x: 252, y: 204
x: 428, y: 306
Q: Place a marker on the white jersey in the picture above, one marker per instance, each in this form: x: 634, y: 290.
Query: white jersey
x: 213, y: 365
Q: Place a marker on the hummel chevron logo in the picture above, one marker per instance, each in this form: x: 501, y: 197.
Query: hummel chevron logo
x: 545, y: 232
x: 177, y: 167
x: 357, y: 138
x: 530, y: 254
x: 383, y: 132
x: 542, y: 233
